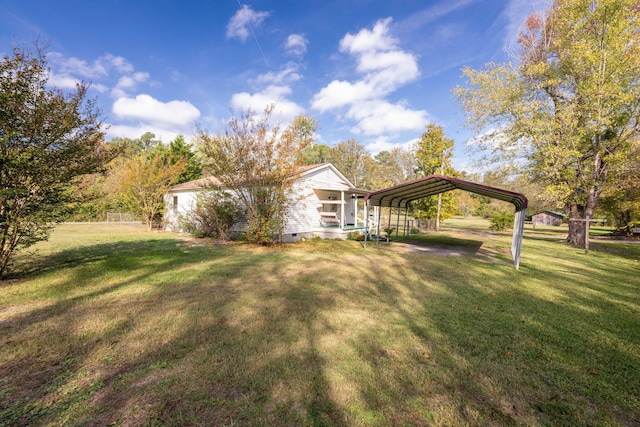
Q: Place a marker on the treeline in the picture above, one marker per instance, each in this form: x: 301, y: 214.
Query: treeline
x: 136, y: 180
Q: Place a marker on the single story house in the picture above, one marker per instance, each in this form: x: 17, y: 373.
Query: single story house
x: 323, y: 203
x: 548, y: 218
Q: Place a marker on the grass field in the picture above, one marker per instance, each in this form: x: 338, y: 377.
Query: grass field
x: 109, y: 325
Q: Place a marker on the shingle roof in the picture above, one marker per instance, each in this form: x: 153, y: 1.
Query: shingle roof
x: 197, y: 184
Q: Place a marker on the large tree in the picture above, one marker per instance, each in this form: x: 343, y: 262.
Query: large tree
x: 620, y: 201
x: 571, y: 107
x: 393, y: 167
x: 258, y: 161
x: 140, y: 182
x: 47, y: 138
x: 433, y: 156
x: 352, y: 159
x: 180, y: 150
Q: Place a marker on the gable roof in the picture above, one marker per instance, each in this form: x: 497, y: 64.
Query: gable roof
x: 399, y: 196
x: 554, y: 213
x: 198, y: 184
x: 210, y: 181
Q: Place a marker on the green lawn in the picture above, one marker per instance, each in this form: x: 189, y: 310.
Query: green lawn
x: 111, y: 325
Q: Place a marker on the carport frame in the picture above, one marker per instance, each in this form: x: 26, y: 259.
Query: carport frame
x: 399, y: 196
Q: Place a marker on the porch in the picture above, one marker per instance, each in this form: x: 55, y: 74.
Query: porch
x: 340, y: 212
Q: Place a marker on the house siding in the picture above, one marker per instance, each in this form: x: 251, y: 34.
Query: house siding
x: 304, y: 212
x: 172, y: 214
x: 303, y: 217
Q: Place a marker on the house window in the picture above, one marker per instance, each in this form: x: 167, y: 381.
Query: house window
x: 175, y: 203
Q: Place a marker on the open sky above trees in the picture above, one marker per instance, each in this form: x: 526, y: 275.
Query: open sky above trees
x: 376, y: 71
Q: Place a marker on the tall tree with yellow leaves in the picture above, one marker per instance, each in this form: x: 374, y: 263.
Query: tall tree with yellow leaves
x: 569, y: 111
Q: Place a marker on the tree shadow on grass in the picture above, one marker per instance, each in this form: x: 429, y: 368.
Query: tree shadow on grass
x: 128, y: 340
x: 31, y: 263
x: 473, y: 340
x: 223, y: 336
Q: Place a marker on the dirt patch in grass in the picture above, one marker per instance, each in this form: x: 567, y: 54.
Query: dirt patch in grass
x: 445, y: 250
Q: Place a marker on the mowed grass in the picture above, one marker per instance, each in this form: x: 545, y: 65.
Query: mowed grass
x: 111, y: 325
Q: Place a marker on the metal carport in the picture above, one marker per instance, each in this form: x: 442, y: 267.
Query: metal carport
x: 400, y: 196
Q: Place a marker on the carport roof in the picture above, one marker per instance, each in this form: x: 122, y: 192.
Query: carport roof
x: 399, y: 196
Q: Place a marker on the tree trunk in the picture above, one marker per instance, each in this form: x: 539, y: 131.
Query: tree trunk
x: 576, y: 228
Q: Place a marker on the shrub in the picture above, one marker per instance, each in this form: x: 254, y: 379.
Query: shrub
x: 214, y: 215
x: 355, y: 235
x: 501, y: 220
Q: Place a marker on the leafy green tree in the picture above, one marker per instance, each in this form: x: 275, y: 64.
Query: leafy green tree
x: 141, y: 181
x: 571, y: 108
x: 316, y: 154
x: 47, y: 138
x: 257, y: 162
x: 392, y: 167
x: 620, y: 200
x: 179, y: 150
x: 433, y: 156
x: 352, y: 159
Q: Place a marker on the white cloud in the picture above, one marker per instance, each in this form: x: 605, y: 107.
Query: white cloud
x: 381, y: 117
x: 241, y: 23
x: 368, y: 41
x: 382, y: 143
x: 340, y: 93
x: 98, y: 68
x: 62, y: 81
x: 383, y: 67
x: 289, y: 74
x: 284, y: 111
x: 99, y: 87
x: 118, y: 62
x: 128, y: 83
x: 145, y: 108
x: 296, y: 45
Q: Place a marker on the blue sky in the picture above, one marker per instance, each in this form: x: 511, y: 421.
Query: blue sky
x: 375, y: 70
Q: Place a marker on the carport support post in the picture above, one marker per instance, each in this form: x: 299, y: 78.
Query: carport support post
x: 389, y: 224
x: 404, y: 227
x: 366, y: 221
x: 398, y: 223
x: 378, y: 232
x: 518, y: 231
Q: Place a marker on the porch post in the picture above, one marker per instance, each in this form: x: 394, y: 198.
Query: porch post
x: 342, y: 210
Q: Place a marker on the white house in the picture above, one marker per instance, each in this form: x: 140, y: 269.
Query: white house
x: 323, y: 203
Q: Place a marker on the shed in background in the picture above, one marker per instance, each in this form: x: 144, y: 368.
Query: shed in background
x: 548, y: 218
